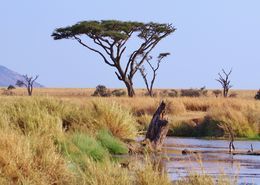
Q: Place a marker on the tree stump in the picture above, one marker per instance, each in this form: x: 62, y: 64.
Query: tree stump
x: 158, y: 128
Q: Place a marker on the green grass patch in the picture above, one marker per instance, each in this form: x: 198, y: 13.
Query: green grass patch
x: 79, y: 147
x: 114, y: 145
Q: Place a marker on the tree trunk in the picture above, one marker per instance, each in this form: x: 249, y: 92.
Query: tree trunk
x: 29, y: 89
x: 150, y: 93
x: 130, y: 88
x: 158, y: 128
x: 225, y: 92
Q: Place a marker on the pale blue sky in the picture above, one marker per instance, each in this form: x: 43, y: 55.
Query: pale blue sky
x: 210, y: 35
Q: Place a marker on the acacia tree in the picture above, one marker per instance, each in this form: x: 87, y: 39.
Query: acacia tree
x: 225, y: 82
x: 154, y: 69
x: 28, y: 83
x: 110, y: 38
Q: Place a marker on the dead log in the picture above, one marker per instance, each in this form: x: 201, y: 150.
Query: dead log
x: 158, y: 128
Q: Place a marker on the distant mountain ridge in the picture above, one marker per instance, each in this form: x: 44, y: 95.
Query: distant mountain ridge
x: 9, y: 77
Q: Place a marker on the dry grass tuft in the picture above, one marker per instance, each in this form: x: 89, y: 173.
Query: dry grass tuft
x: 31, y: 160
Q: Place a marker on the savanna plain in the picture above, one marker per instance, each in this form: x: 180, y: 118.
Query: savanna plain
x: 67, y: 136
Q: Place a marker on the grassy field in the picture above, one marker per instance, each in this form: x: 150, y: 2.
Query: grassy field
x: 65, y: 136
x: 205, y: 116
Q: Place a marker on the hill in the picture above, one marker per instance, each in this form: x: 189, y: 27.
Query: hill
x: 9, y: 77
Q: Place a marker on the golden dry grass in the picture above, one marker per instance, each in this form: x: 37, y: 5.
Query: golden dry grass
x: 31, y: 127
x: 31, y: 160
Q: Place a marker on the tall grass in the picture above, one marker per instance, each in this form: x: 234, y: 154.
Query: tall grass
x: 116, y: 119
x: 151, y: 173
x: 199, y: 116
x: 30, y: 115
x: 106, y: 173
x: 242, y: 117
x: 31, y: 160
x: 66, y: 141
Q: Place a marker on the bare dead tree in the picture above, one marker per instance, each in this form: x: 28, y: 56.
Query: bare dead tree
x: 28, y: 83
x: 224, y: 81
x: 154, y: 70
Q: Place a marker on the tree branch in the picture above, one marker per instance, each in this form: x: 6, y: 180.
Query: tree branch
x: 92, y: 49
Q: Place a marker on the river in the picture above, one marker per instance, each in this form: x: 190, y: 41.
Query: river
x: 213, y: 159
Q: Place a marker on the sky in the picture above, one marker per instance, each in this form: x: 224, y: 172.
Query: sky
x: 210, y: 35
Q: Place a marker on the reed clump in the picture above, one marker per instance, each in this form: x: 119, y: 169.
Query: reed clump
x: 30, y: 115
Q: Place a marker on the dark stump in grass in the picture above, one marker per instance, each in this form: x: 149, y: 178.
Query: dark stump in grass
x: 158, y: 128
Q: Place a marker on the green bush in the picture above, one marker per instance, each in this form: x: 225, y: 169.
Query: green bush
x: 10, y: 87
x: 114, y: 145
x: 209, y: 128
x: 194, y: 92
x: 102, y: 91
x: 183, y: 129
x: 118, y: 92
x: 190, y: 92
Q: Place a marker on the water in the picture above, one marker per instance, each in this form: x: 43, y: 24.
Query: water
x: 213, y: 159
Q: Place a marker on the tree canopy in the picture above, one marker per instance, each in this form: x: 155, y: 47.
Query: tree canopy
x: 112, y: 36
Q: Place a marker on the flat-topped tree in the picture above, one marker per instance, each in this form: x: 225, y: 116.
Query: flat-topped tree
x: 110, y: 38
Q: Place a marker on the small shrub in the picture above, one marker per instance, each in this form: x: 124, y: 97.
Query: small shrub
x: 217, y: 92
x: 257, y: 96
x: 10, y: 87
x: 114, y: 145
x: 173, y: 93
x: 183, y: 129
x: 118, y: 92
x: 190, y: 92
x: 169, y: 93
x: 203, y: 91
x: 102, y: 91
x: 194, y: 92
x: 210, y: 128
